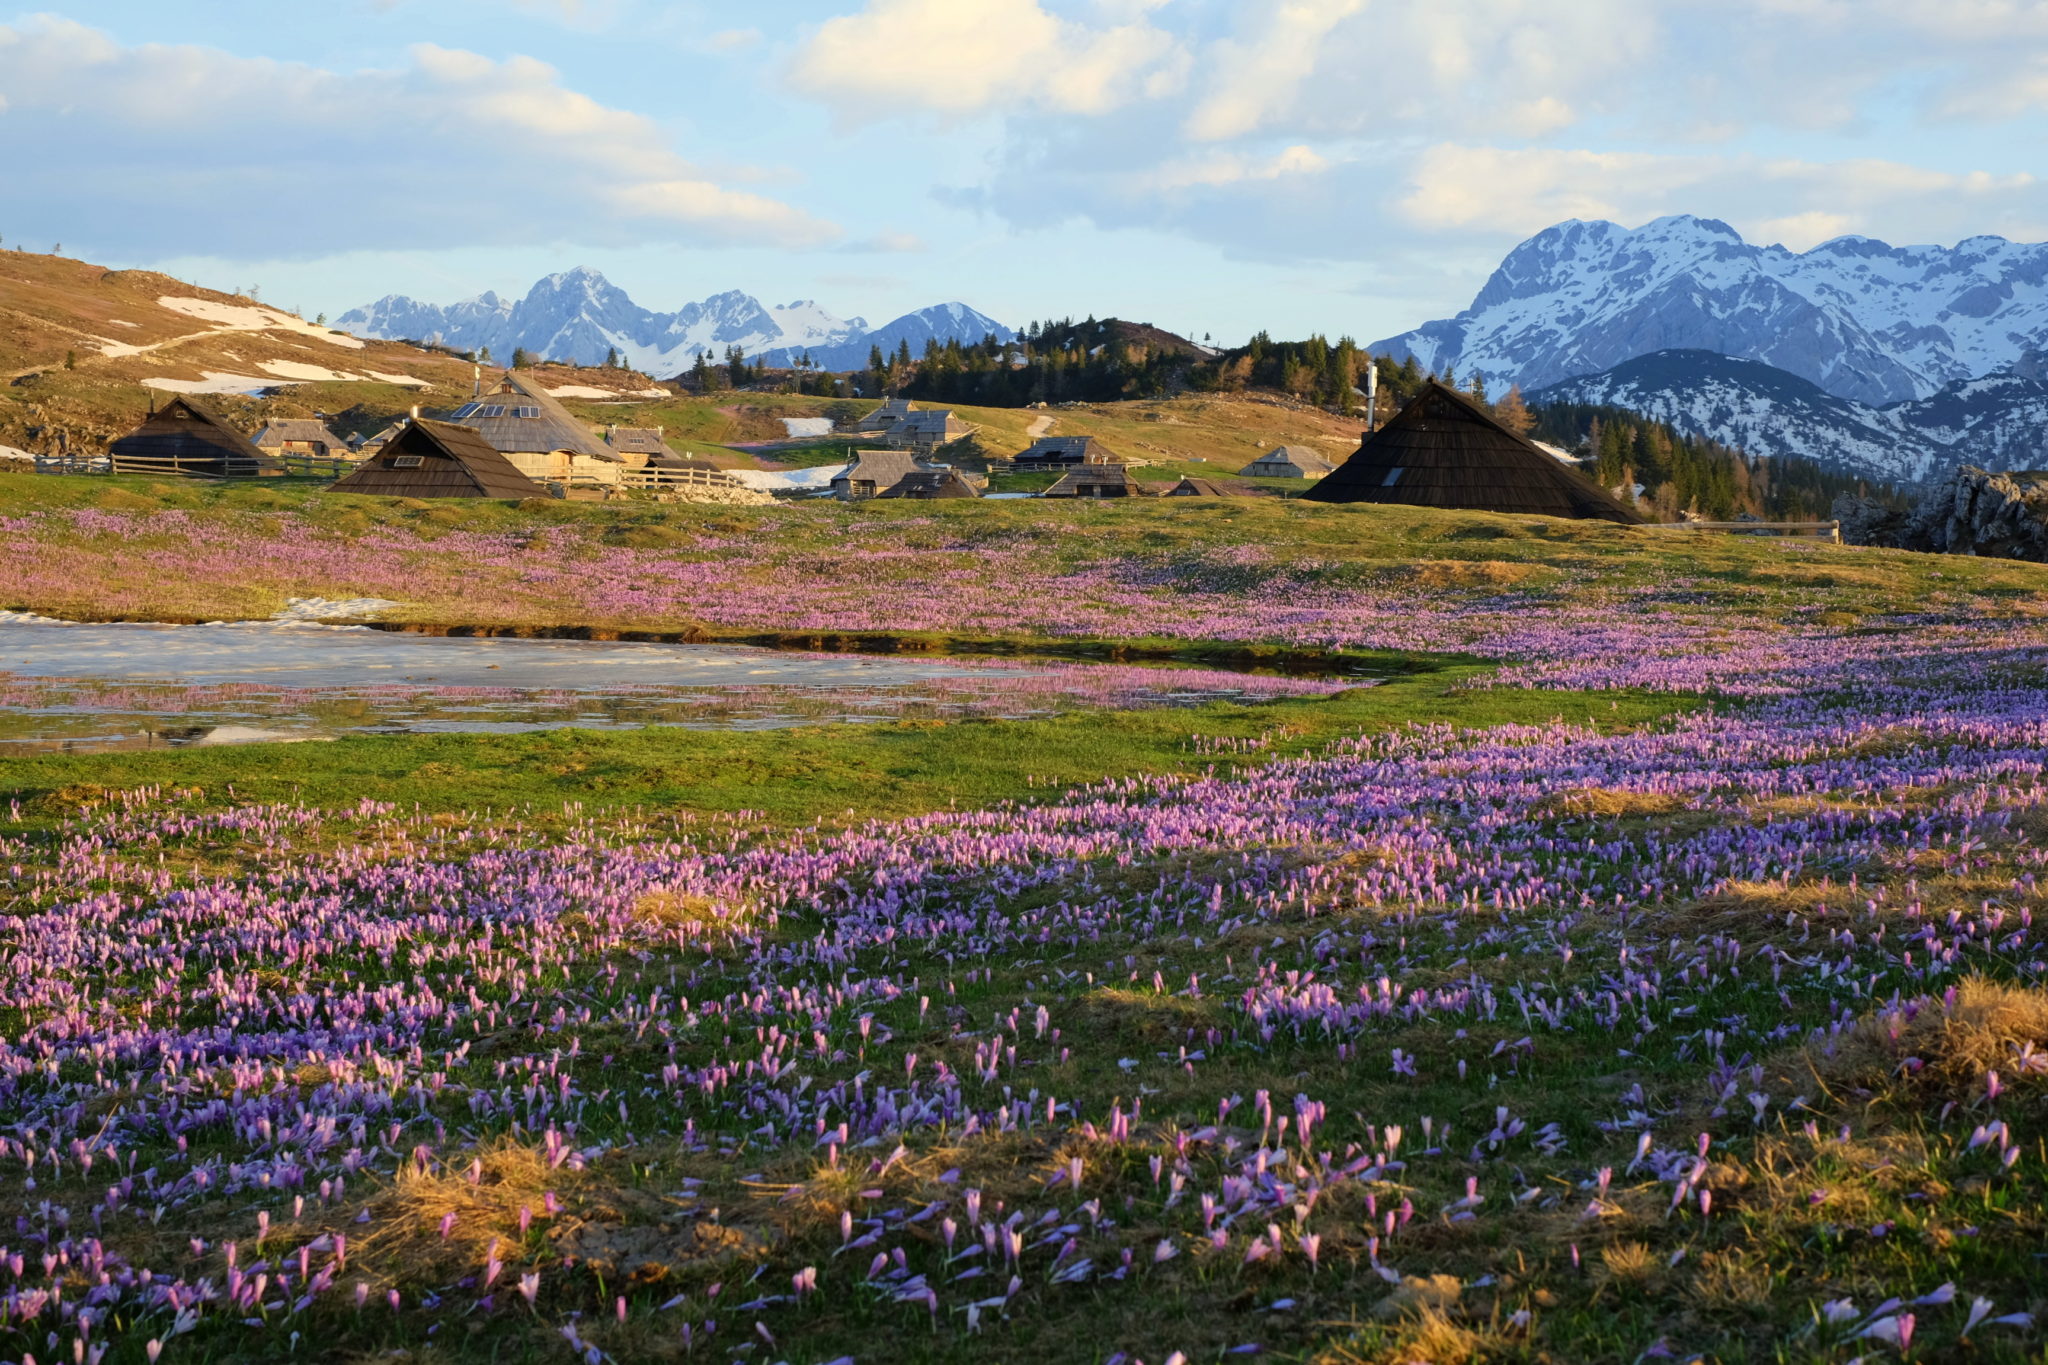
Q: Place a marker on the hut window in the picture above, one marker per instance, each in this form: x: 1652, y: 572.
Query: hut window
x: 1393, y: 476
x: 406, y: 461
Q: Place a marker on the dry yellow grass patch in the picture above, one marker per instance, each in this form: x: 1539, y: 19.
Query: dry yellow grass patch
x: 1955, y: 1047
x: 407, y: 1215
x: 1613, y: 803
x: 1469, y: 573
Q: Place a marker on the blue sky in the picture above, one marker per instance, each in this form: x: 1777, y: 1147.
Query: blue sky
x: 1213, y: 166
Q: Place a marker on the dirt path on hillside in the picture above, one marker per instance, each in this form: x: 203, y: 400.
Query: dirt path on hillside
x: 1039, y: 426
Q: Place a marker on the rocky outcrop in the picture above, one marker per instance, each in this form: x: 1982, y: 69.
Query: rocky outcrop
x: 1971, y: 512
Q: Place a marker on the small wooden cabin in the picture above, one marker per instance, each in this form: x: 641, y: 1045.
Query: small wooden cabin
x: 302, y: 436
x: 873, y: 471
x: 1288, y: 462
x: 1065, y: 452
x: 185, y: 440
x: 428, y: 459
x: 925, y: 432
x: 931, y: 483
x: 1097, y: 481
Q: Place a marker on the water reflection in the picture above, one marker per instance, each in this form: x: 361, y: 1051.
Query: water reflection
x: 92, y: 687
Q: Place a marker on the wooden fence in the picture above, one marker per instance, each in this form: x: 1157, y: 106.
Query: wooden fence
x: 204, y: 467
x: 1825, y: 530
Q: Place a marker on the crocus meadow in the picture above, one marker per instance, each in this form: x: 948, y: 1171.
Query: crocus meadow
x: 1725, y: 1038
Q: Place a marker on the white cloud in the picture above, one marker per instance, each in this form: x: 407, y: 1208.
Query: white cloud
x: 181, y: 149
x: 1507, y: 191
x: 948, y: 57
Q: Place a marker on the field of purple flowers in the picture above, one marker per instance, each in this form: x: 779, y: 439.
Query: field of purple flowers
x: 1724, y: 1038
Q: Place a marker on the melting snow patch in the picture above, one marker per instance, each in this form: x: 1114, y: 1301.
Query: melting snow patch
x: 29, y: 618
x: 581, y: 391
x: 409, y: 380
x: 215, y: 382
x: 329, y: 608
x: 241, y: 318
x: 807, y: 426
x: 10, y: 455
x: 292, y: 369
x: 784, y: 480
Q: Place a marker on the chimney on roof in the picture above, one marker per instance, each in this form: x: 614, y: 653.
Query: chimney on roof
x: 415, y: 412
x: 476, y: 388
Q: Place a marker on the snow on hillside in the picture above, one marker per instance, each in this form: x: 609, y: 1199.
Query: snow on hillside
x: 1860, y: 319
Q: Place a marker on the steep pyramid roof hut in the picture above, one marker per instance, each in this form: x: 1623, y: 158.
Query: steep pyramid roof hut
x: 428, y: 459
x: 931, y: 483
x: 1194, y: 486
x: 1444, y: 450
x: 183, y: 438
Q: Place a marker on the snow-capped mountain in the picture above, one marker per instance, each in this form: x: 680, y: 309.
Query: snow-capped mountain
x: 941, y: 323
x: 580, y: 315
x: 1863, y: 320
x: 2000, y: 421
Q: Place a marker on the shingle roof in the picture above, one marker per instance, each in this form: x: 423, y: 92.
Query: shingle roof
x: 882, y: 468
x: 1194, y: 487
x: 887, y: 415
x: 638, y: 441
x: 520, y: 415
x: 931, y: 483
x: 443, y: 461
x: 182, y: 437
x: 1443, y: 450
x: 1097, y: 481
x: 1275, y: 464
x: 278, y: 430
x: 1067, y: 450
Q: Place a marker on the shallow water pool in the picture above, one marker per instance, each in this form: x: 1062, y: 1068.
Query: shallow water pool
x: 71, y: 686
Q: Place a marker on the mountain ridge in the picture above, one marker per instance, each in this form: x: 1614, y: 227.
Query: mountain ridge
x: 1857, y: 317
x: 1999, y: 420
x: 579, y: 315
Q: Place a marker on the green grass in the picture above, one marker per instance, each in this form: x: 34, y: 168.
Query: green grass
x: 793, y: 776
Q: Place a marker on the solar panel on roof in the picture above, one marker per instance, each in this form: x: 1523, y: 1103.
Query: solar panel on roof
x: 525, y: 412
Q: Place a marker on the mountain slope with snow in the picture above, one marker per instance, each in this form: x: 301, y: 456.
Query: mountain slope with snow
x: 2000, y: 422
x: 1860, y: 319
x: 581, y: 316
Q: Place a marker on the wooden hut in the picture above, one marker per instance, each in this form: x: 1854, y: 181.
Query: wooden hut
x: 1097, y: 481
x: 925, y: 432
x: 891, y: 411
x: 639, y: 446
x: 931, y: 483
x: 1444, y: 450
x: 305, y: 437
x: 429, y: 459
x: 526, y: 424
x: 1288, y: 462
x: 1065, y: 452
x: 182, y: 438
x: 1194, y: 487
x: 871, y: 472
